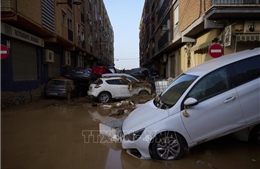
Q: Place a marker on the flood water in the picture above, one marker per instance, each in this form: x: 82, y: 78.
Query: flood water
x: 60, y: 134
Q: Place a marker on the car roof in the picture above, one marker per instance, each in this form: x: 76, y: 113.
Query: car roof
x: 108, y: 78
x: 216, y: 63
x: 116, y: 75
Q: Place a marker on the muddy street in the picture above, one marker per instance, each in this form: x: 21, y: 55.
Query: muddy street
x: 61, y: 134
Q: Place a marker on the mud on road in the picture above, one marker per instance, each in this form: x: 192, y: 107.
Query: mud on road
x: 52, y: 134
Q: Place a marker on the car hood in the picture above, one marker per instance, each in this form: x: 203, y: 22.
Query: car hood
x: 143, y: 116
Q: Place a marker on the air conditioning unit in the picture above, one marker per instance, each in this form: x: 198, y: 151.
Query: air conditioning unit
x: 48, y: 56
x: 67, y: 58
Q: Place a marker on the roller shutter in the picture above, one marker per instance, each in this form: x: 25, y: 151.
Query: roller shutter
x: 24, y: 61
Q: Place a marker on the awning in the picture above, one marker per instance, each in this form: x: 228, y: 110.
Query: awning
x: 201, y: 46
x: 247, y: 37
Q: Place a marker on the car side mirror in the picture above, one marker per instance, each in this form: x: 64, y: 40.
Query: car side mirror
x: 187, y: 103
x: 190, y: 102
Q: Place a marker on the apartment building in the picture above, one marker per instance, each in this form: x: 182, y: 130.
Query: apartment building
x: 176, y: 35
x: 45, y: 38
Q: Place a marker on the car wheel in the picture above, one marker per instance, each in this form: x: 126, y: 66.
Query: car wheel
x: 254, y: 136
x: 144, y: 92
x: 167, y: 146
x: 104, y: 97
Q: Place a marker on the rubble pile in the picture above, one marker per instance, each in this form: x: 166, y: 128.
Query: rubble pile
x: 135, y: 84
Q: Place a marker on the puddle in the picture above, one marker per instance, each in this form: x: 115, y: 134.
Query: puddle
x: 40, y: 136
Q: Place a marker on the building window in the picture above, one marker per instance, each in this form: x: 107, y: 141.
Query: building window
x: 69, y: 21
x: 90, y: 40
x: 64, y: 18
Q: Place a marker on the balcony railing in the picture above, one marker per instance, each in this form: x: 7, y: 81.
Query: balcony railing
x: 234, y: 2
x: 163, y: 40
x: 163, y: 9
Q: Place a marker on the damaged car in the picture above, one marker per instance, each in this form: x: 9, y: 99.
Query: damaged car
x: 208, y: 101
x: 60, y: 88
x: 105, y: 89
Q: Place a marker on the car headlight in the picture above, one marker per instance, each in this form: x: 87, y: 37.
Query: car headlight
x: 135, y: 135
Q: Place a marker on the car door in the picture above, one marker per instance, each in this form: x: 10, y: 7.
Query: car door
x: 118, y: 88
x: 124, y: 88
x: 246, y: 80
x: 218, y: 110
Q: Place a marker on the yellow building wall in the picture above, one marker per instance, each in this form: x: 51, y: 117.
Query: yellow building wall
x: 196, y: 58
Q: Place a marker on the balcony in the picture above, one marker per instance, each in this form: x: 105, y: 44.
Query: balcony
x: 8, y: 8
x: 235, y: 2
x: 163, y: 40
x: 234, y: 9
x: 163, y: 9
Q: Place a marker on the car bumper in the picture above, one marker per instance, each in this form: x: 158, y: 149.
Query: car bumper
x: 138, y: 148
x: 56, y: 94
x: 91, y: 94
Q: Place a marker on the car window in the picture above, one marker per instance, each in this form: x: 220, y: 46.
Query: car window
x: 98, y: 81
x: 212, y: 84
x: 131, y: 79
x: 176, y: 89
x: 245, y: 71
x: 124, y: 81
x: 113, y: 82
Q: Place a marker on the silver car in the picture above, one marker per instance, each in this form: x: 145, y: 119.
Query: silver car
x: 60, y: 88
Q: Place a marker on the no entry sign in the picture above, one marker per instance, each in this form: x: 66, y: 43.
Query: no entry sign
x: 4, y: 52
x: 216, y: 50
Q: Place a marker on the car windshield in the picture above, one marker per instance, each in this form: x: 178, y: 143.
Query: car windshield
x: 172, y: 94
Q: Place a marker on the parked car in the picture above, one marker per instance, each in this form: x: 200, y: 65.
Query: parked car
x: 80, y: 74
x: 60, y: 88
x: 105, y: 89
x: 99, y: 70
x: 216, y: 98
x: 139, y: 73
x: 149, y: 75
x: 112, y: 69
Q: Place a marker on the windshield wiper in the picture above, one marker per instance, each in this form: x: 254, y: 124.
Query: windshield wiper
x: 159, y: 103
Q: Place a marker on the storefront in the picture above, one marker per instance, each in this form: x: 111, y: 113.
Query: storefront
x: 20, y: 70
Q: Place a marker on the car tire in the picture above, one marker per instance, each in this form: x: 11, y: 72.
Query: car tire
x: 104, y: 97
x: 144, y: 92
x: 254, y: 136
x: 167, y: 146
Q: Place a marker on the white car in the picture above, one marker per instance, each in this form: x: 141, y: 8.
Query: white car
x: 127, y: 76
x: 107, y: 88
x: 216, y: 98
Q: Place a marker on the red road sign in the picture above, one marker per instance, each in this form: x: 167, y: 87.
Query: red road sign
x: 216, y: 50
x: 4, y: 52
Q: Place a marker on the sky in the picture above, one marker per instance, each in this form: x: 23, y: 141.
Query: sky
x: 125, y: 16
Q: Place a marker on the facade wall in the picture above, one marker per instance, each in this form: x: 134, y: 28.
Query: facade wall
x: 194, y: 28
x: 37, y: 25
x: 33, y: 13
x: 189, y: 11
